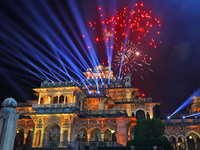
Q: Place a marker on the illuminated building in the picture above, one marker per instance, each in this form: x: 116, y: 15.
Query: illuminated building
x: 184, y: 132
x: 66, y: 113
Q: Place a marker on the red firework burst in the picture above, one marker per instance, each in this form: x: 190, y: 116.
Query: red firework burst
x: 138, y: 25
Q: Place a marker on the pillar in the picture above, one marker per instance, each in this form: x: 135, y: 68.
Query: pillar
x: 25, y: 137
x: 195, y: 144
x: 186, y: 145
x: 122, y: 131
x: 8, y: 124
x: 34, y: 137
x: 102, y: 137
x: 88, y: 137
x: 39, y: 99
x: 41, y: 137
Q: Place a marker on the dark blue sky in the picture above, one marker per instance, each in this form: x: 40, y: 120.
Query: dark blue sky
x: 175, y: 63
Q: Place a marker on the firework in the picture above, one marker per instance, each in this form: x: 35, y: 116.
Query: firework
x: 138, y: 25
x: 130, y: 33
x: 132, y: 60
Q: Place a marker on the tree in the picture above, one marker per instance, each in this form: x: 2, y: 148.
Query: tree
x: 149, y: 132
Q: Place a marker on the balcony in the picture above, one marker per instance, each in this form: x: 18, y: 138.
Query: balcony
x: 55, y: 108
x: 176, y: 122
x: 133, y: 100
x: 83, y: 145
x: 103, y: 113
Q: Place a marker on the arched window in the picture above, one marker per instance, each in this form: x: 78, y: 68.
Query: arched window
x: 95, y: 135
x: 29, y: 138
x: 173, y: 143
x: 81, y: 135
x: 41, y: 100
x: 55, y: 99
x: 180, y: 143
x: 140, y: 114
x: 61, y: 99
x: 110, y: 135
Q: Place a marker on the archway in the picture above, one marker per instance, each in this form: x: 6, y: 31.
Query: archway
x: 180, y: 143
x: 61, y: 99
x: 41, y: 100
x: 140, y: 114
x: 95, y: 135
x: 29, y: 138
x: 55, y: 99
x: 191, y: 140
x: 173, y: 142
x: 82, y: 135
x: 52, y: 134
x: 19, y: 138
x: 109, y: 135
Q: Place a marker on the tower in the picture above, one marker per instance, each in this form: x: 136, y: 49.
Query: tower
x: 127, y: 80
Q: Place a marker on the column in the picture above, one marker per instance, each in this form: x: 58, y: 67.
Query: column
x: 41, y: 137
x: 8, y: 124
x: 39, y: 99
x: 88, y: 137
x: 25, y: 137
x: 186, y: 145
x: 34, y: 137
x: 195, y: 144
x: 58, y: 99
x: 102, y: 137
x: 61, y: 136
x: 122, y: 131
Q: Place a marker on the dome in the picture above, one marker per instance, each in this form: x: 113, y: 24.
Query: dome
x: 9, y: 102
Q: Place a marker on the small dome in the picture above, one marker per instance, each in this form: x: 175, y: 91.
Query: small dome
x: 9, y: 102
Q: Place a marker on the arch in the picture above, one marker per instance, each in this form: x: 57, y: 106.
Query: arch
x: 107, y: 127
x: 110, y: 135
x: 95, y: 135
x: 190, y: 132
x: 19, y: 138
x: 172, y: 139
x: 140, y: 114
x: 180, y: 143
x: 191, y: 137
x: 29, y: 138
x: 93, y: 127
x: 165, y: 136
x: 51, y: 134
x: 42, y: 100
x: 55, y: 100
x: 61, y: 99
x: 81, y: 135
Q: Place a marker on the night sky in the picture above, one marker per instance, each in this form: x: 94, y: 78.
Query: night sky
x: 175, y: 65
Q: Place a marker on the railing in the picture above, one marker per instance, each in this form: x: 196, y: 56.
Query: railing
x: 66, y: 105
x: 84, y: 144
x: 23, y: 105
x: 133, y: 100
x: 181, y: 121
x: 58, y: 84
x: 103, y: 113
